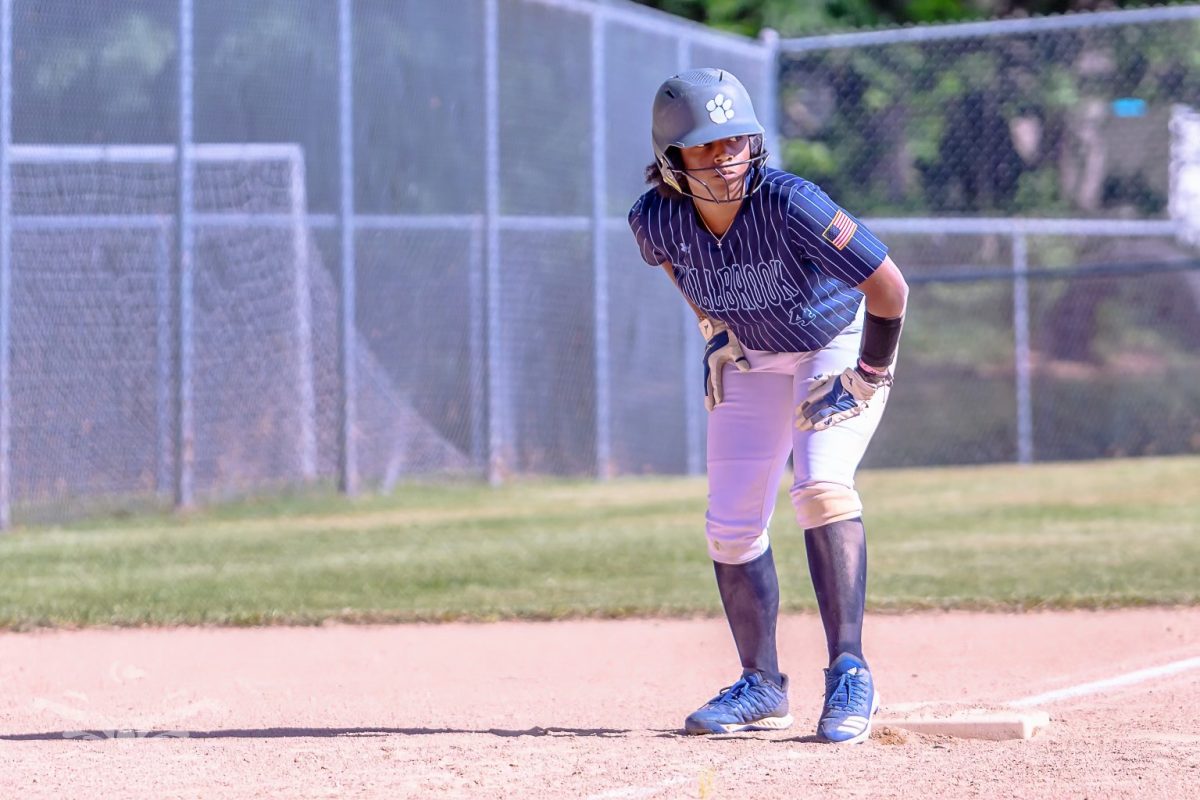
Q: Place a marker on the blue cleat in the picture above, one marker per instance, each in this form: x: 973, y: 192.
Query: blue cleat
x: 850, y: 702
x: 752, y: 704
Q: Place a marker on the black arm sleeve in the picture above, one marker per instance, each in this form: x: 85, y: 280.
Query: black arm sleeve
x: 881, y: 337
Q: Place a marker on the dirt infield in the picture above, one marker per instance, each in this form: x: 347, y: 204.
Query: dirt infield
x: 587, y: 709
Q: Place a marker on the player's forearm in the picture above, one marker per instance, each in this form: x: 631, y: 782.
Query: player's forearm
x: 887, y: 298
x: 700, y: 315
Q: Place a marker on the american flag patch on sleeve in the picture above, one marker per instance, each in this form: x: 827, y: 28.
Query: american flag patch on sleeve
x: 840, y: 231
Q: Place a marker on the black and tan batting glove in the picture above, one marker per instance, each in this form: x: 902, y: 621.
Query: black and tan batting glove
x: 839, y: 397
x: 723, y: 348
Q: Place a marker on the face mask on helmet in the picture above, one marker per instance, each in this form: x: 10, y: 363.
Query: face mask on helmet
x: 704, y: 183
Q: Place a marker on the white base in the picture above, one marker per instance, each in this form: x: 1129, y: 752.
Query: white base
x: 973, y: 724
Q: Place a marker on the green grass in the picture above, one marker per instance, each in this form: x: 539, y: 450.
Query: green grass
x: 1094, y: 534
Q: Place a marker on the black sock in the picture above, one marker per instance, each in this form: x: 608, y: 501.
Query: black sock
x: 837, y: 561
x: 750, y: 594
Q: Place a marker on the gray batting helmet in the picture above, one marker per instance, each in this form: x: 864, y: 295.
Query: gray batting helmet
x: 701, y: 106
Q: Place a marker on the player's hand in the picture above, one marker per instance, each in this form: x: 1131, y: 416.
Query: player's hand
x: 836, y: 398
x: 722, y: 349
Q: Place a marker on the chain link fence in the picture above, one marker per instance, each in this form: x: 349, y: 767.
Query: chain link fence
x: 396, y: 246
x: 1022, y: 173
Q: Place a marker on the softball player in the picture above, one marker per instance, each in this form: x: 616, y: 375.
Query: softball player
x: 795, y: 363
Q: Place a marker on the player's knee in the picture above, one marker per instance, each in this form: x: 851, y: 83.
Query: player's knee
x: 820, y: 503
x: 736, y: 544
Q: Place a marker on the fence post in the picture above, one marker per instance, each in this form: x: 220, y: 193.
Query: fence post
x: 6, y: 63
x: 306, y: 438
x: 162, y: 362
x: 603, y: 373
x: 347, y: 407
x: 1021, y: 349
x: 770, y: 111
x: 498, y: 397
x: 185, y: 446
x: 692, y: 351
x: 477, y: 311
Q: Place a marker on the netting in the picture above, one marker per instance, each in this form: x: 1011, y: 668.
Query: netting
x: 1107, y: 348
x: 1049, y: 123
x: 93, y: 341
x: 984, y: 157
x: 85, y: 408
x: 479, y: 336
x: 504, y: 322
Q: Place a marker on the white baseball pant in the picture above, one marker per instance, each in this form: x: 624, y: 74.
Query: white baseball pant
x: 751, y: 433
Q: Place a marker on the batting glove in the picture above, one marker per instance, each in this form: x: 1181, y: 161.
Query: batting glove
x: 723, y: 348
x: 837, y: 398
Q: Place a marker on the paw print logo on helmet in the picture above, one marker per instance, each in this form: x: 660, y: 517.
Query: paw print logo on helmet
x: 720, y: 109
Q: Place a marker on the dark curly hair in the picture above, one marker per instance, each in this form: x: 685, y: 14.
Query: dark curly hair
x: 654, y: 179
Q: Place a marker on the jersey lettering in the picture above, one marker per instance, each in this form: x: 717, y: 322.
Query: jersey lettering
x: 727, y: 296
x: 767, y: 281
x: 753, y: 287
x: 784, y: 280
x: 782, y: 276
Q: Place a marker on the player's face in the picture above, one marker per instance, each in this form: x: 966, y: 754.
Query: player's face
x: 719, y: 164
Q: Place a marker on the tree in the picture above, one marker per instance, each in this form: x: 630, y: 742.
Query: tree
x: 818, y: 16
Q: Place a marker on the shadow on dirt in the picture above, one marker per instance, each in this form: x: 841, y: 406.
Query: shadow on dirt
x: 318, y: 733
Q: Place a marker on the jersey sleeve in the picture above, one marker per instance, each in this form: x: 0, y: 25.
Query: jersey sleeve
x: 638, y: 216
x: 840, y: 244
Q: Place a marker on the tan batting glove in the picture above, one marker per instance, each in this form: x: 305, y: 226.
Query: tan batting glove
x: 723, y: 348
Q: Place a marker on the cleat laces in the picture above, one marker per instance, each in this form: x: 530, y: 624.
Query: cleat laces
x: 744, y: 697
x: 731, y: 694
x: 846, y: 692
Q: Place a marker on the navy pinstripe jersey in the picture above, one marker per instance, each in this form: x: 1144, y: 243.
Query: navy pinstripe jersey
x: 782, y: 277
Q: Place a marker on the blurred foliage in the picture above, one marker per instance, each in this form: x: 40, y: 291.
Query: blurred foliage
x: 1007, y: 125
x: 1020, y: 125
x: 107, y: 73
x: 1002, y: 125
x: 791, y: 18
x: 66, y: 56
